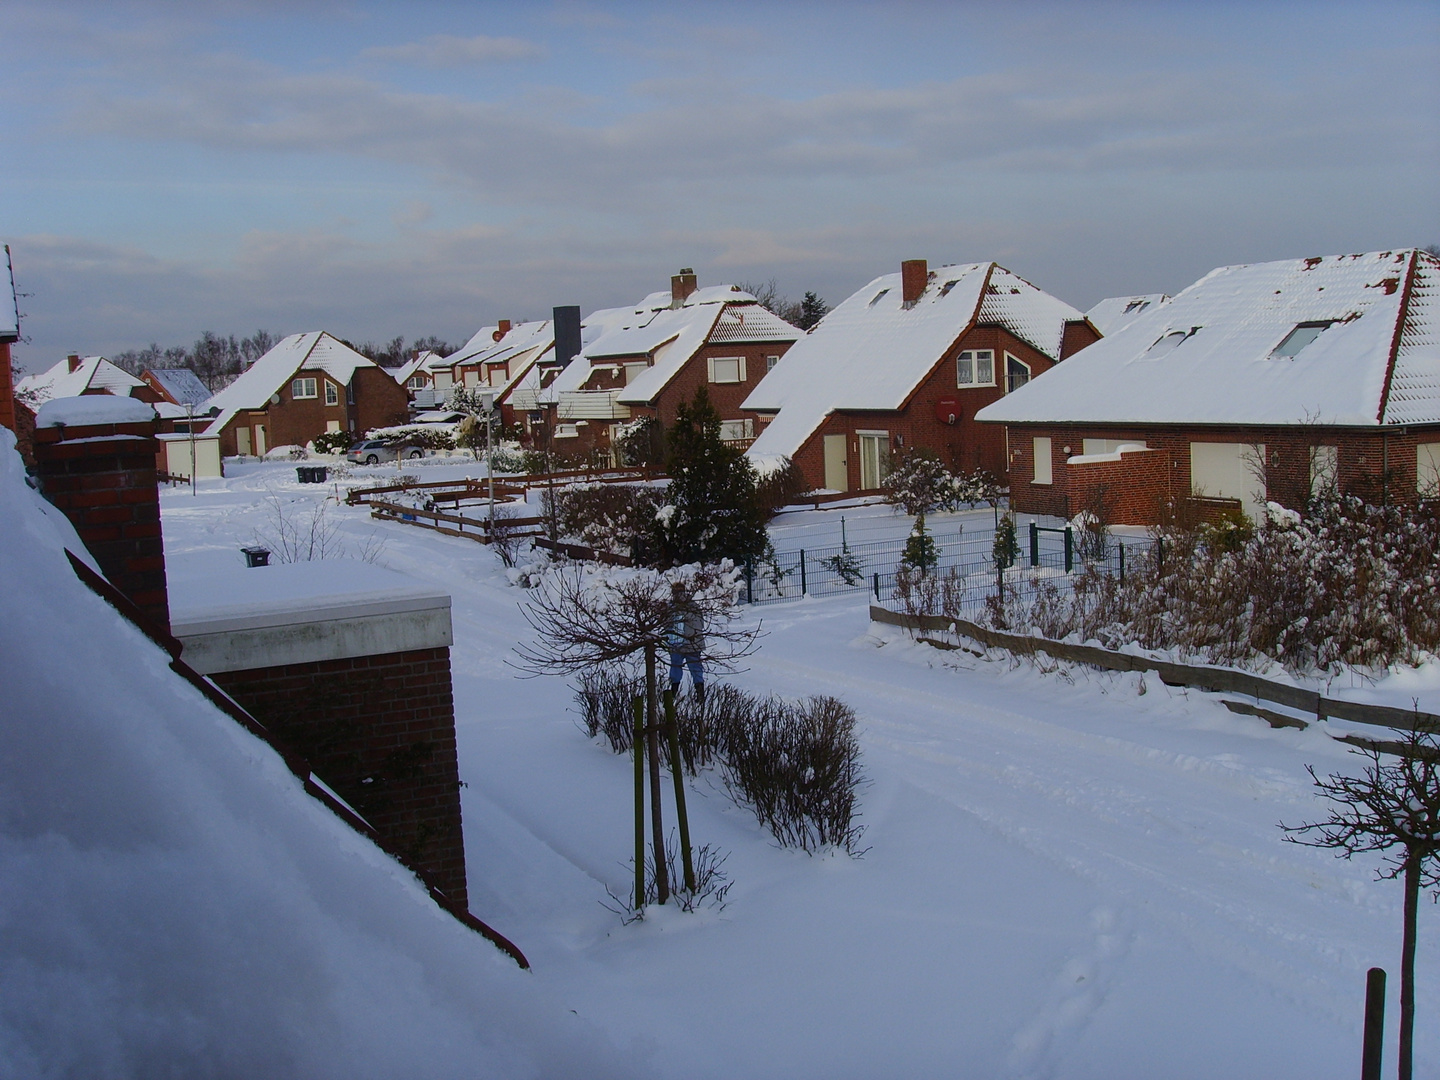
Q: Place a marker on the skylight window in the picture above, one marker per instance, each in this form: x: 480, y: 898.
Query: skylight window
x: 1298, y: 338
x: 948, y: 286
x: 878, y: 295
x: 1136, y: 305
x: 1168, y: 343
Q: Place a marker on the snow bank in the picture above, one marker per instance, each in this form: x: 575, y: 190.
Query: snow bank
x: 175, y: 904
x: 93, y: 409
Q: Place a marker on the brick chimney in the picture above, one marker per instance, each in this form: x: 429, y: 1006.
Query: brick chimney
x: 74, y: 362
x: 102, y: 477
x: 567, y: 334
x: 913, y: 275
x: 681, y: 286
x: 502, y: 329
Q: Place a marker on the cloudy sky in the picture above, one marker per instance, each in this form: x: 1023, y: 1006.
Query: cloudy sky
x: 377, y: 169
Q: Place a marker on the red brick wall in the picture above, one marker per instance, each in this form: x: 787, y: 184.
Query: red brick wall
x: 103, y: 478
x: 1373, y: 464
x: 7, y: 388
x: 380, y: 730
x: 965, y: 445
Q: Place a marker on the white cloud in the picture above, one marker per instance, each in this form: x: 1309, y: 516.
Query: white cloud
x: 445, y: 50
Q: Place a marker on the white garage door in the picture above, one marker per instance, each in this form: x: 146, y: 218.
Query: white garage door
x: 1227, y: 471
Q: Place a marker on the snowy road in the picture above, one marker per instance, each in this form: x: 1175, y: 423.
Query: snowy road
x: 1068, y: 874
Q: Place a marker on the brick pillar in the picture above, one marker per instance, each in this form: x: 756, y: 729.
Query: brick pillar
x: 380, y: 730
x: 103, y: 477
x: 7, y: 388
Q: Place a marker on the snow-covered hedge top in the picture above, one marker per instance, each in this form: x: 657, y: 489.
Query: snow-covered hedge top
x: 93, y: 409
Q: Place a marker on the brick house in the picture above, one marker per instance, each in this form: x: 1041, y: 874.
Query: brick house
x: 906, y: 362
x: 9, y: 334
x: 1258, y: 382
x: 645, y: 361
x: 306, y: 385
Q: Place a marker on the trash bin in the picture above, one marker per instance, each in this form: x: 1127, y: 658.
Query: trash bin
x: 256, y: 556
x: 312, y: 474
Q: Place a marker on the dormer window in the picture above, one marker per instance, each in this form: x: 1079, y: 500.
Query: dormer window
x: 1298, y: 338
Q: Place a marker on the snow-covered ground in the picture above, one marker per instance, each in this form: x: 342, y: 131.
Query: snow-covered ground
x: 1066, y: 874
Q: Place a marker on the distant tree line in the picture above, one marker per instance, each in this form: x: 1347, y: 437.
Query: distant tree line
x: 804, y: 313
x: 219, y: 360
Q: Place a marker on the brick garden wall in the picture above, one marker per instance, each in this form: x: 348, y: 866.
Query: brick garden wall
x: 380, y: 730
x: 1371, y: 464
x: 103, y: 478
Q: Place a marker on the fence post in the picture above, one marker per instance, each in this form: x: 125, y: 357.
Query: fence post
x: 877, y: 588
x: 749, y: 581
x: 638, y: 745
x: 1374, y: 1024
x: 802, y: 571
x: 1069, y: 549
x: 1034, y: 544
x: 1159, y: 554
x: 1121, y: 545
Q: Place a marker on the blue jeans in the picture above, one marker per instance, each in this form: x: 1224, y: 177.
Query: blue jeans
x: 679, y: 660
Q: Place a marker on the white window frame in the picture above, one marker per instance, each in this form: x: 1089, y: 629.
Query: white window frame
x: 1427, y: 470
x: 736, y: 430
x: 1029, y: 372
x: 1325, y: 469
x: 634, y: 369
x: 332, y: 393
x: 770, y: 362
x: 1044, y: 469
x: 883, y: 465
x: 973, y: 358
x: 303, y: 389
x: 738, y: 361
x: 417, y: 382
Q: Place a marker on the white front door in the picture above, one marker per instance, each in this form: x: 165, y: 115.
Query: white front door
x: 259, y: 440
x: 242, y: 441
x: 874, y: 458
x: 837, y: 465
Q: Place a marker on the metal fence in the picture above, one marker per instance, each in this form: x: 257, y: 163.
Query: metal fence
x: 965, y: 563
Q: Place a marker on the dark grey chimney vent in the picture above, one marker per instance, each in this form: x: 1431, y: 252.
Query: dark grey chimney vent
x: 567, y: 334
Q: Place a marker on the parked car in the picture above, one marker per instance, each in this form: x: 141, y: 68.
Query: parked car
x: 374, y: 451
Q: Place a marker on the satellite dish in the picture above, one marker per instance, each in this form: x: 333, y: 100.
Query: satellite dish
x: 274, y: 399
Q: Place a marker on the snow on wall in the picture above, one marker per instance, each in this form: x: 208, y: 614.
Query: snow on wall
x: 175, y: 904
x: 1226, y: 369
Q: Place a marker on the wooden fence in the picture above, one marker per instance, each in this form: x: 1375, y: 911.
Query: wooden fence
x: 455, y: 523
x: 508, y: 487
x: 1223, y: 680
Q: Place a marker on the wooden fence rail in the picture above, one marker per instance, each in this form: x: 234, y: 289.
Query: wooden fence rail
x: 1224, y: 680
x: 453, y: 524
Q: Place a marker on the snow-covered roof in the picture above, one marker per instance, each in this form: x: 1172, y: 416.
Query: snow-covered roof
x: 182, y: 385
x: 1116, y: 312
x: 752, y: 323
x: 416, y: 363
x: 872, y: 350
x: 9, y: 309
x: 481, y: 340
x: 1234, y: 348
x: 314, y: 350
x: 93, y: 409
x: 92, y: 374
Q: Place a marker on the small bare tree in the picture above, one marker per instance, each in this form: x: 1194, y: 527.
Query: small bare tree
x: 1394, y: 807
x: 585, y: 617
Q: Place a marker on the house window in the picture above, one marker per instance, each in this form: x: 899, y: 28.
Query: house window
x: 1042, y: 461
x: 416, y: 382
x: 878, y: 295
x: 350, y: 392
x: 303, y: 388
x: 727, y: 369
x: 332, y: 393
x: 770, y: 362
x: 1017, y: 373
x: 1297, y: 339
x: 735, y: 430
x: 567, y: 431
x: 634, y: 370
x: 874, y: 458
x: 1427, y: 470
x: 975, y: 367
x: 1136, y: 306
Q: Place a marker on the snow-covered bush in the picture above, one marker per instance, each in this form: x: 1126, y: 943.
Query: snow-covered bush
x: 1347, y: 585
x: 332, y: 442
x: 921, y: 483
x: 607, y: 517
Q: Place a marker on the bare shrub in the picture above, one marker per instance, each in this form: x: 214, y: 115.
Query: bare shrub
x: 712, y: 884
x: 796, y: 764
x: 294, y: 536
x: 507, y: 539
